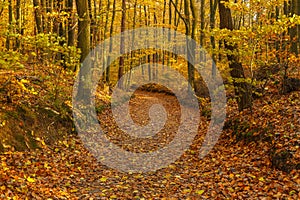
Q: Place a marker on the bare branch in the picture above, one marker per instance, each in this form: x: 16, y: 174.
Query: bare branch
x: 180, y: 15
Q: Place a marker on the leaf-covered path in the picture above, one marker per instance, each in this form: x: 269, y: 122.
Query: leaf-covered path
x: 232, y: 170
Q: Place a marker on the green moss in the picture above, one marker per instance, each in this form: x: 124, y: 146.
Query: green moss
x: 19, y: 142
x: 100, y: 108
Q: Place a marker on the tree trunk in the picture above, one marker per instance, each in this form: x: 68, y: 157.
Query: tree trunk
x: 83, y: 28
x: 192, y: 47
x: 213, y: 9
x: 10, y: 19
x: 132, y: 63
x: 84, y: 45
x: 71, y: 24
x: 38, y: 16
x: 18, y: 24
x: 188, y: 32
x: 92, y: 24
x: 293, y: 30
x: 202, y: 24
x: 147, y: 23
x: 58, y: 6
x: 122, y: 45
x: 170, y: 54
x: 110, y: 40
x: 105, y: 36
x: 42, y: 8
x: 242, y: 89
x: 163, y: 22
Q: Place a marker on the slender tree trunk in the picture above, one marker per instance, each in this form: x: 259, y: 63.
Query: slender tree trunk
x: 43, y: 16
x: 154, y: 58
x: 188, y: 43
x: 49, y: 9
x: 170, y: 54
x: 176, y: 24
x: 10, y: 19
x: 132, y: 55
x: 202, y: 12
x: 58, y: 6
x: 192, y: 46
x: 105, y: 36
x: 213, y: 8
x: 110, y: 40
x: 277, y: 43
x: 71, y: 23
x: 163, y: 22
x: 147, y: 57
x: 92, y: 24
x: 18, y: 24
x: 38, y: 16
x: 122, y: 45
x: 84, y: 45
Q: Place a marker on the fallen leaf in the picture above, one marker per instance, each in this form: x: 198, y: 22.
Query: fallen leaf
x: 200, y: 192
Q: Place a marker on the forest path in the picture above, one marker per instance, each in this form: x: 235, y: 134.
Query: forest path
x: 68, y: 171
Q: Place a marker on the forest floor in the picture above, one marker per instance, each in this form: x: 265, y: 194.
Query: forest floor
x: 240, y: 165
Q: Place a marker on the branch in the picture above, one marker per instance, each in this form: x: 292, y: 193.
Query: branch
x: 1, y: 11
x: 176, y: 9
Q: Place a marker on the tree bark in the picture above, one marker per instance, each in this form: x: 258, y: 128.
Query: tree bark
x: 38, y: 16
x: 191, y: 46
x: 293, y: 31
x: 122, y: 45
x: 84, y: 88
x: 202, y: 12
x: 242, y: 89
x: 71, y: 29
x: 18, y: 24
x: 83, y: 28
x: 10, y: 19
x: 213, y: 9
x: 110, y: 40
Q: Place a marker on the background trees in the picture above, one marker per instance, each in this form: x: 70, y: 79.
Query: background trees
x: 242, y: 36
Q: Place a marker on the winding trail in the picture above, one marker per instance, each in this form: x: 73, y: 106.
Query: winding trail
x: 68, y: 171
